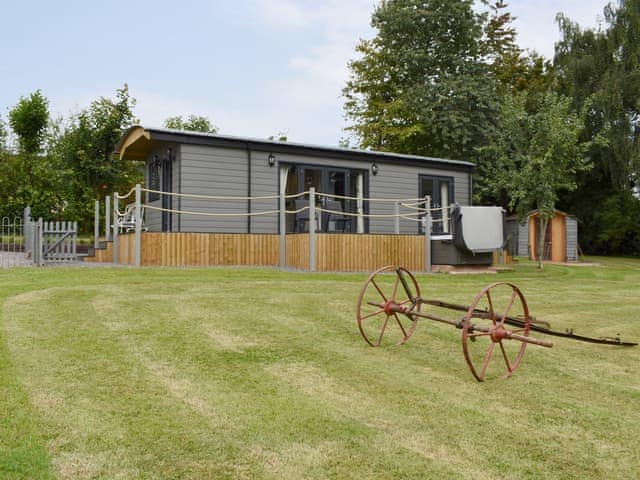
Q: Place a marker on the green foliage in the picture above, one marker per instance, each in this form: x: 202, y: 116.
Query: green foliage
x: 535, y: 156
x: 419, y: 85
x: 3, y: 136
x: 28, y: 120
x: 193, y: 123
x: 599, y: 69
x: 85, y: 149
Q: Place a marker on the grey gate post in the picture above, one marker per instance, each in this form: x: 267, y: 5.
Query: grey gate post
x: 116, y: 257
x: 427, y: 234
x: 107, y: 218
x: 39, y: 241
x: 27, y: 231
x: 96, y: 225
x: 138, y: 235
x: 283, y: 230
x: 312, y: 229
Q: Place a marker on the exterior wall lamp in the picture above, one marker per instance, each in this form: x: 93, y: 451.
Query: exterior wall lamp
x: 374, y: 168
x: 271, y: 159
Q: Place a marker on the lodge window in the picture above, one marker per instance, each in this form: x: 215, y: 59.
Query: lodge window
x: 440, y: 189
x: 337, y: 183
x: 153, y: 178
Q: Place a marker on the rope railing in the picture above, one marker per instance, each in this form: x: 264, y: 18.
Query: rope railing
x: 126, y: 195
x: 417, y: 213
x: 367, y: 199
x: 211, y: 214
x: 220, y: 197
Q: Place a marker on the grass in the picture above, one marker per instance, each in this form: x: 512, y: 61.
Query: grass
x: 239, y: 373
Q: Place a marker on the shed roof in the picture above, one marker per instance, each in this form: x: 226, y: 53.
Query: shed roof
x: 137, y: 141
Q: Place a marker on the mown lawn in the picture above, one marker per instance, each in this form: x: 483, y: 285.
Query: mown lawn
x: 238, y: 373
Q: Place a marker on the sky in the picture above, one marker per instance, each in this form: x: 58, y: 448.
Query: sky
x: 253, y: 67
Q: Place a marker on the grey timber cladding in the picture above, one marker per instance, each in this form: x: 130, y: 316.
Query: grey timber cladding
x: 264, y: 182
x: 213, y: 171
x: 224, y: 171
x: 523, y: 239
x: 572, y: 239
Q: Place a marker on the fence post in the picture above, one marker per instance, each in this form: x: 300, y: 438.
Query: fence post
x: 74, y: 239
x: 96, y: 225
x: 283, y: 230
x: 26, y: 231
x: 427, y: 234
x: 116, y: 257
x: 396, y: 219
x: 312, y: 229
x: 107, y: 218
x: 138, y: 235
x: 40, y: 247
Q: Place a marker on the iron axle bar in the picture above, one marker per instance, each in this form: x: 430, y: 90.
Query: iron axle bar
x: 515, y: 322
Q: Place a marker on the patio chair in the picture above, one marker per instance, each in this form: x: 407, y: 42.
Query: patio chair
x: 302, y: 218
x: 127, y: 223
x: 336, y: 222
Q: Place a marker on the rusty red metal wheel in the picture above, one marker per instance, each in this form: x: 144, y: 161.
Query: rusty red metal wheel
x: 387, y: 287
x: 484, y: 329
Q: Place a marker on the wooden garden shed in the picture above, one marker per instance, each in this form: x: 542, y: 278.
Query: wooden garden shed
x: 561, y: 237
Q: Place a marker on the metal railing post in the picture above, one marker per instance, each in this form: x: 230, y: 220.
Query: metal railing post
x: 283, y: 230
x: 96, y: 225
x: 116, y: 257
x: 427, y: 234
x: 138, y: 235
x: 107, y: 218
x: 312, y: 229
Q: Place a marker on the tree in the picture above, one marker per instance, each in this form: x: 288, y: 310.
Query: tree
x: 28, y: 120
x: 420, y: 85
x: 86, y: 149
x: 193, y: 123
x: 598, y: 69
x: 537, y: 155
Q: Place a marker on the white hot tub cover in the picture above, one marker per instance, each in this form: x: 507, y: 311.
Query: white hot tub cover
x: 481, y: 228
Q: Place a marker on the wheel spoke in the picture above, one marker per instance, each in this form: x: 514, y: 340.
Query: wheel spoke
x: 373, y: 314
x: 404, y: 332
x: 384, y: 327
x: 487, y: 358
x: 504, y: 355
x: 491, y: 311
x: 480, y: 334
x: 378, y: 289
x: 506, y: 312
x: 395, y: 287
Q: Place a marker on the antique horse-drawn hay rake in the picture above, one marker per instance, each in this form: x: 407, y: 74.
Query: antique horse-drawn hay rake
x: 497, y: 318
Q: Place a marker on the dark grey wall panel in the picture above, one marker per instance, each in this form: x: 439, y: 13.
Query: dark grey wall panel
x: 218, y: 172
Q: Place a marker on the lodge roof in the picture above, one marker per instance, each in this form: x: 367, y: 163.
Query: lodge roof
x: 137, y: 141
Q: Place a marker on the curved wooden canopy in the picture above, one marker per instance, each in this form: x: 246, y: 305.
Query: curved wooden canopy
x: 134, y: 145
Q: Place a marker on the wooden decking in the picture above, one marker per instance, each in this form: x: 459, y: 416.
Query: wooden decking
x: 333, y: 252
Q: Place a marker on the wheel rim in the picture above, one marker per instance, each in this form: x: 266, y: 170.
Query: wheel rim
x: 377, y: 325
x: 485, y: 335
